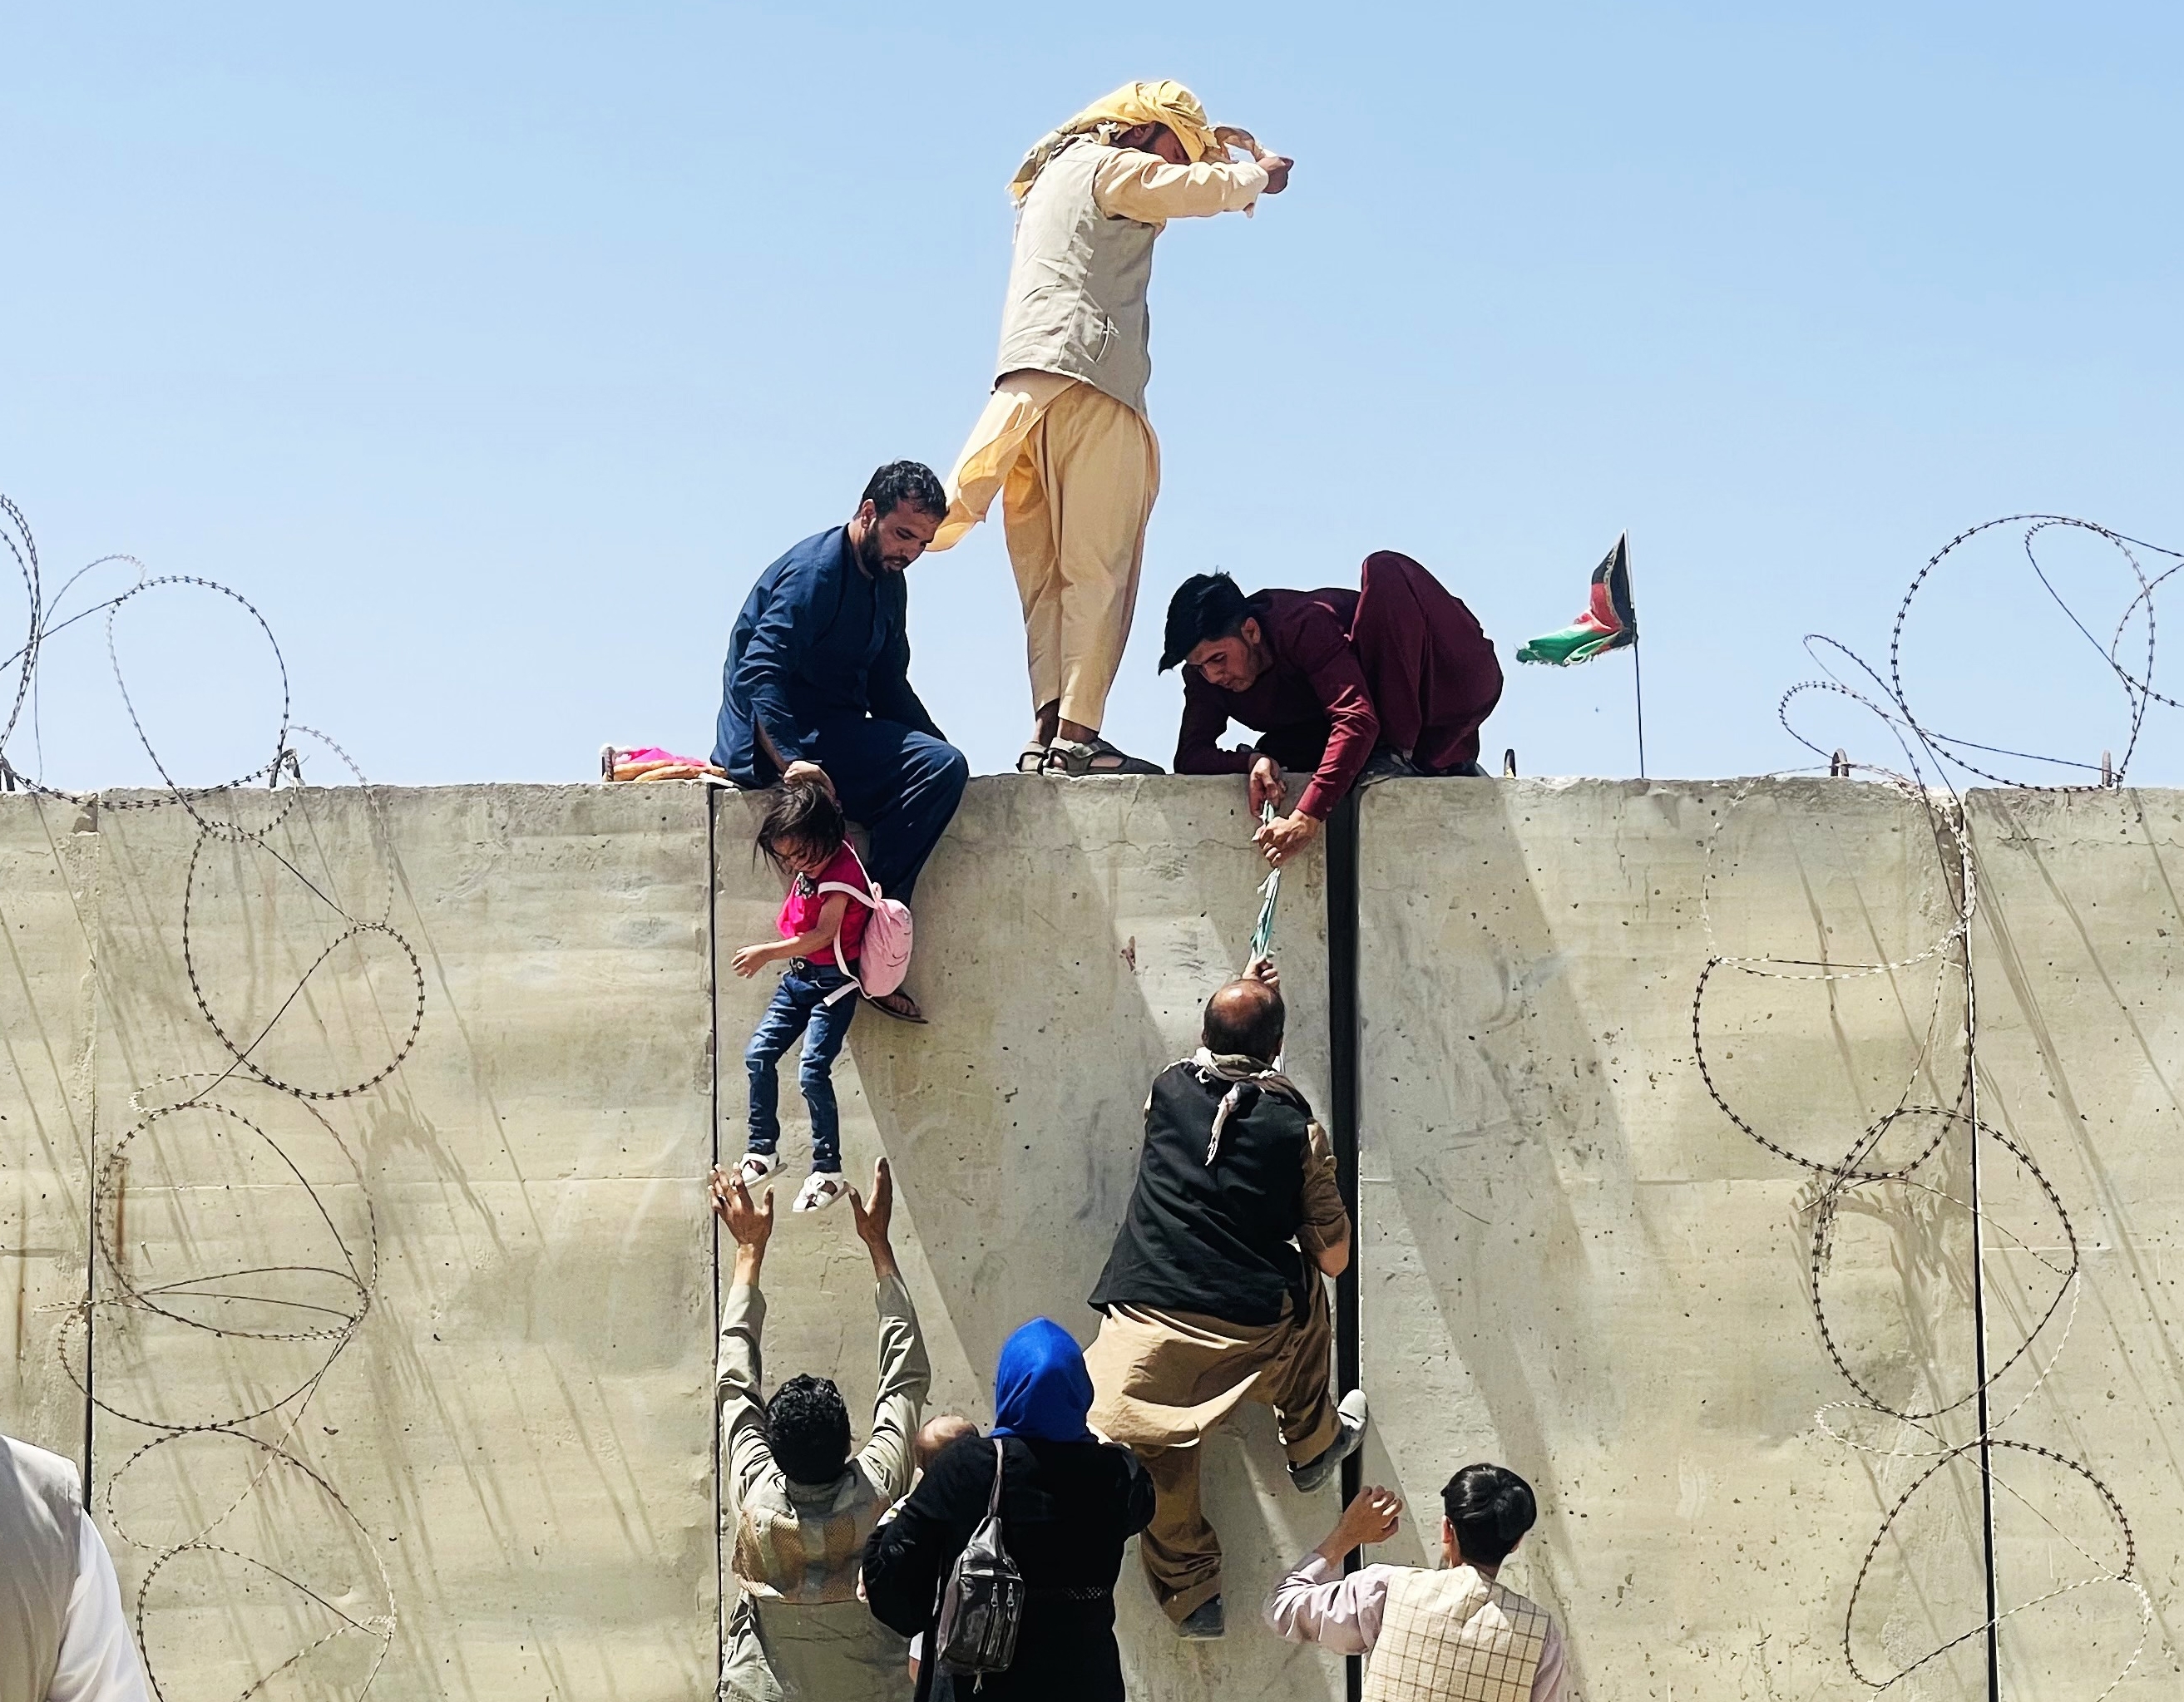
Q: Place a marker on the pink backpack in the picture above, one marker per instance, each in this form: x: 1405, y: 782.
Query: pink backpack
x: 883, y: 954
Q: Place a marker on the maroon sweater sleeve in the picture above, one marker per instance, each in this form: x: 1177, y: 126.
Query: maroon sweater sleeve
x: 1204, y: 718
x: 1312, y: 643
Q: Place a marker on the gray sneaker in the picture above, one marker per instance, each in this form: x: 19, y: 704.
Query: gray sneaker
x: 1354, y: 1414
x: 1205, y: 1622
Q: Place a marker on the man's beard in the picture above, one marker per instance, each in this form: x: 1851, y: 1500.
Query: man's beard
x: 868, y: 554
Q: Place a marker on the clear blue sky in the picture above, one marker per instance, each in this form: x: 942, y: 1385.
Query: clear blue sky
x: 493, y: 350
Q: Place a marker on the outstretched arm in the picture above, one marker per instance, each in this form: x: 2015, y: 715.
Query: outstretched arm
x: 1320, y: 649
x: 1315, y: 1602
x: 906, y: 1373
x: 737, y: 1372
x: 1145, y: 187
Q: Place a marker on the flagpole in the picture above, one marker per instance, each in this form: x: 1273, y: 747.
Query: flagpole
x: 1637, y: 672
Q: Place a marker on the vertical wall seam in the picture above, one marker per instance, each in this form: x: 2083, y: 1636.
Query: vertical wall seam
x: 1342, y: 1050
x: 91, y: 1152
x: 1978, y: 1284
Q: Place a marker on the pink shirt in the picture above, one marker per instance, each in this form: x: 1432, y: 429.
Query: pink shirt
x: 1316, y: 1604
x: 800, y: 909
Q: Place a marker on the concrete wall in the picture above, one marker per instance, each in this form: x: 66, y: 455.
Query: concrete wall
x: 502, y: 1485
x: 1573, y: 1260
x: 1604, y: 1279
x: 1069, y: 935
x: 2081, y: 1052
x: 48, y: 906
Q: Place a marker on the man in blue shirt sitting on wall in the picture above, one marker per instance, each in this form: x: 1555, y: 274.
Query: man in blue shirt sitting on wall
x: 817, y: 684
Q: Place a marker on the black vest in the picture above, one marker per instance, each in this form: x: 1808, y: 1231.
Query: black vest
x: 1213, y: 1238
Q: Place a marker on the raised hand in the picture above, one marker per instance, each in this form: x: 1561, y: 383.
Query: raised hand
x: 1374, y: 1517
x: 749, y: 1223
x: 873, y: 1220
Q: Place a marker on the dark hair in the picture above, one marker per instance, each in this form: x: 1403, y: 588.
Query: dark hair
x: 1491, y: 1507
x: 808, y: 1427
x: 907, y: 482
x: 801, y: 813
x: 1246, y: 1016
x: 1205, y: 605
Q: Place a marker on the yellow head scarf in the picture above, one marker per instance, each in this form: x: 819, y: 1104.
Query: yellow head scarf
x: 1132, y: 104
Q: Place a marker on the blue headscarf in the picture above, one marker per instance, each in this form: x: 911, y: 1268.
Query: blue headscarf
x: 1041, y: 1387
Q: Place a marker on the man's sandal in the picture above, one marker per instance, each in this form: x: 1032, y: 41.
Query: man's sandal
x: 1033, y: 756
x: 1093, y: 756
x: 905, y: 1010
x: 821, y: 1189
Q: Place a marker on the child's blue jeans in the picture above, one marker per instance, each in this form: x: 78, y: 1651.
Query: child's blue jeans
x: 798, y: 1008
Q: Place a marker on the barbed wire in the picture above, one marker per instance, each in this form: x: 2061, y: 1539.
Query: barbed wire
x: 1952, y: 1124
x: 196, y: 1115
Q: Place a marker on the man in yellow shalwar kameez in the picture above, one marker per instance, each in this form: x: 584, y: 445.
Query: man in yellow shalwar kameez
x: 1064, y: 441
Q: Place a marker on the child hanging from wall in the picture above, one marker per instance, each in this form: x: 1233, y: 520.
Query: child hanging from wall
x: 802, y: 832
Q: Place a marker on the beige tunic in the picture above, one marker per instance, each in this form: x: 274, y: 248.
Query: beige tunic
x: 1077, y: 467
x: 794, y: 1627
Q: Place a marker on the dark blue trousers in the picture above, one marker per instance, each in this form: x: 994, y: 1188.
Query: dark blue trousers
x: 902, y: 785
x: 798, y: 1008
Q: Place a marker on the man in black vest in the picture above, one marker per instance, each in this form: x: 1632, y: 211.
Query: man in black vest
x: 1213, y: 1294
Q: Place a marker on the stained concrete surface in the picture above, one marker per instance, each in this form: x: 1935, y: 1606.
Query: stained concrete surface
x: 1068, y: 936
x: 521, y: 1425
x: 2081, y: 1050
x: 47, y: 900
x: 1573, y: 1260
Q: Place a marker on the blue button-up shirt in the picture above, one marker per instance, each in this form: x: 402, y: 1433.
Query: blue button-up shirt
x: 818, y: 641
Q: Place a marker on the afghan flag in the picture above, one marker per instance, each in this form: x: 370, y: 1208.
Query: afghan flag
x: 1609, y: 622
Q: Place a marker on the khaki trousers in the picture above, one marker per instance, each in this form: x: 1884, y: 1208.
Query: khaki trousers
x: 1077, y: 472
x: 783, y: 1652
x: 1161, y: 1381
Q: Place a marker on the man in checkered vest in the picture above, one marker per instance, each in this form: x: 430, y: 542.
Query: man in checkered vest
x: 1451, y: 1635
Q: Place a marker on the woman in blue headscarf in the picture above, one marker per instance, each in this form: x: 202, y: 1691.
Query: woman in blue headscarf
x: 1069, y: 1502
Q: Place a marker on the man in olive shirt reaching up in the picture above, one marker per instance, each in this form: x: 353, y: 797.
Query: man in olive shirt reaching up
x: 803, y: 1506
x: 1214, y: 1294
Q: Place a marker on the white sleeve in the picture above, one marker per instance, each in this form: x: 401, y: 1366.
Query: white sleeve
x: 1316, y: 1603
x: 98, y: 1658
x: 1547, y: 1684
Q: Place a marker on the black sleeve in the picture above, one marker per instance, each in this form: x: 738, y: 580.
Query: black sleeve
x: 1139, y: 1493
x: 906, y: 1558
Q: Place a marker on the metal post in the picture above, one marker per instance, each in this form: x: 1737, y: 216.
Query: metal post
x: 1965, y: 876
x: 1342, y: 1049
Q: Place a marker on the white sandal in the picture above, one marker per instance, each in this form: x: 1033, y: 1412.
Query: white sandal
x: 821, y: 1189
x: 755, y: 1167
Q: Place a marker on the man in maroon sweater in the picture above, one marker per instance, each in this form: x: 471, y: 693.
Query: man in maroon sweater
x: 1396, y: 675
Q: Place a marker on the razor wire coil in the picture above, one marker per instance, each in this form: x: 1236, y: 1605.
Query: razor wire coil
x: 268, y: 1428
x: 1930, y: 757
